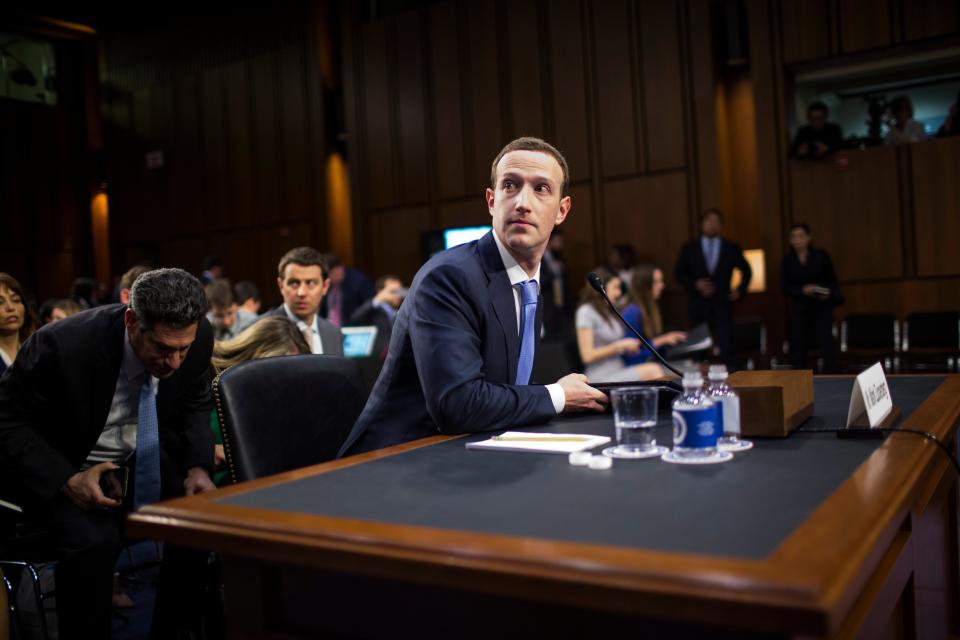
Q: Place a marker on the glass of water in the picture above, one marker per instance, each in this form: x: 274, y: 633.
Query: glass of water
x: 634, y: 418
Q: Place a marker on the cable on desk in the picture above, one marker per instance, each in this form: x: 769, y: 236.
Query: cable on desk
x: 946, y: 451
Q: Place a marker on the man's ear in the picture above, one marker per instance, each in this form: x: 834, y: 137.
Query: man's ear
x: 130, y: 320
x: 565, y: 204
x: 490, y: 200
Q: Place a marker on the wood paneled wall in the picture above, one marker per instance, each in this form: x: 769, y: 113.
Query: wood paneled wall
x: 436, y: 92
x: 236, y: 107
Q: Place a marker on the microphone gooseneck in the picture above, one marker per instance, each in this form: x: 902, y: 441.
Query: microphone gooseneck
x: 597, y: 285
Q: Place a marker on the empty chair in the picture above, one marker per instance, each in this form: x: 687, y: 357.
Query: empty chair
x: 283, y: 413
x: 750, y: 342
x: 931, y: 341
x: 870, y: 337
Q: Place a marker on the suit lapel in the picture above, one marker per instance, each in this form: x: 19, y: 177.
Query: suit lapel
x: 110, y: 356
x: 502, y: 299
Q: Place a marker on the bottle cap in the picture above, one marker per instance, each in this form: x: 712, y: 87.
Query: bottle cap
x: 718, y: 372
x: 692, y: 378
x: 601, y: 462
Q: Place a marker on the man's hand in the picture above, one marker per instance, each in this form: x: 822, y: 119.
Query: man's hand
x: 580, y: 396
x: 821, y: 148
x: 83, y: 488
x: 670, y: 338
x: 198, y: 481
x: 705, y: 287
x: 809, y: 290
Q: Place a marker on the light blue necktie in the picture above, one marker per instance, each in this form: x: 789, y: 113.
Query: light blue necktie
x: 528, y: 322
x: 713, y: 245
x: 147, y: 478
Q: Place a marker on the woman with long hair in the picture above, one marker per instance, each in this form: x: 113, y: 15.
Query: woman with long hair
x: 600, y: 336
x: 265, y: 338
x: 16, y: 321
x: 644, y: 289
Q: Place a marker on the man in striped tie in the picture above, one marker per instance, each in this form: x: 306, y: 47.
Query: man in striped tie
x: 102, y: 413
x: 464, y: 341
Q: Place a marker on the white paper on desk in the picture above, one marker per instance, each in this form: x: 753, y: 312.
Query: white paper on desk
x: 547, y: 442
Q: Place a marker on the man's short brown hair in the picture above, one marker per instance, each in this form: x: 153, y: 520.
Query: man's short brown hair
x: 529, y: 143
x: 220, y: 294
x: 305, y: 257
x: 127, y: 279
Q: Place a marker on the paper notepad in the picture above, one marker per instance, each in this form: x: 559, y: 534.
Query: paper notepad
x: 542, y: 442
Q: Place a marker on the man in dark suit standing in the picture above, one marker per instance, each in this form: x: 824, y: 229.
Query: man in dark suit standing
x: 112, y: 386
x: 303, y: 280
x: 465, y: 338
x: 348, y: 290
x: 381, y: 311
x: 704, y: 269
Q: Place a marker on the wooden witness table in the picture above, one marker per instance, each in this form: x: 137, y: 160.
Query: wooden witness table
x: 375, y: 545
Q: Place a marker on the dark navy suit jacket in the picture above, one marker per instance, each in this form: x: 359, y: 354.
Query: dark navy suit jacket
x: 453, y: 357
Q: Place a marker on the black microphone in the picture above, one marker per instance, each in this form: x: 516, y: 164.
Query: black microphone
x: 597, y: 285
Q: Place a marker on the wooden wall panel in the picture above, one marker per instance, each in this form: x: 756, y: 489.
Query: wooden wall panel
x: 186, y: 161
x: 615, y: 88
x: 651, y: 214
x: 395, y: 238
x: 865, y: 24
x: 239, y: 158
x: 268, y: 163
x: 805, y: 26
x: 486, y: 74
x: 411, y: 110
x: 293, y: 135
x: 526, y: 76
x: 930, y: 18
x: 465, y: 213
x: 213, y: 125
x: 662, y: 85
x: 446, y: 110
x: 378, y: 149
x: 569, y: 94
x: 936, y: 204
x: 579, y: 248
x: 900, y: 297
x: 854, y: 212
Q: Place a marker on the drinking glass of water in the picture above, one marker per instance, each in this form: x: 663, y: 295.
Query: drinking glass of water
x: 634, y: 418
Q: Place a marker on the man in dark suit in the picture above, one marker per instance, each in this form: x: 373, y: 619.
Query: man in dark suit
x: 381, y: 311
x: 112, y: 386
x: 704, y: 269
x: 349, y: 289
x: 465, y: 337
x: 303, y: 280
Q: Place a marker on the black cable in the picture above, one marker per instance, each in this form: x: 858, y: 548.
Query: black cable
x: 868, y: 432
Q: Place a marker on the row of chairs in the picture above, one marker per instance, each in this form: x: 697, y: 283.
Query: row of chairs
x: 922, y: 342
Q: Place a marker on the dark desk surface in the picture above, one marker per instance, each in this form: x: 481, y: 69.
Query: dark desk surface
x: 744, y: 508
x: 787, y: 536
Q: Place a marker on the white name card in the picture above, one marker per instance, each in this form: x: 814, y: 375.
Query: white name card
x: 871, y: 397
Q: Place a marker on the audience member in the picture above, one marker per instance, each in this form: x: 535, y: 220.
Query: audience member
x: 227, y: 320
x: 83, y: 291
x: 951, y: 126
x: 903, y: 128
x: 621, y: 259
x: 464, y: 341
x: 810, y: 284
x: 63, y: 309
x: 557, y: 301
x: 16, y: 323
x: 303, y: 281
x: 212, y: 269
x: 818, y: 138
x: 381, y: 311
x: 247, y: 296
x: 349, y: 289
x: 643, y: 312
x: 600, y: 336
x: 704, y: 268
x: 113, y: 386
x: 266, y: 338
x: 127, y: 280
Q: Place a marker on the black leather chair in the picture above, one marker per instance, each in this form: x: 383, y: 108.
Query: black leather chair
x: 931, y: 341
x: 868, y: 337
x: 283, y: 413
x: 750, y: 343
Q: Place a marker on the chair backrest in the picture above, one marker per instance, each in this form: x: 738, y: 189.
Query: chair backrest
x: 283, y: 413
x: 553, y: 360
x: 870, y: 331
x: 932, y: 330
x: 750, y: 335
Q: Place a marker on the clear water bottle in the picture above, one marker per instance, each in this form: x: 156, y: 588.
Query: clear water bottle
x: 696, y: 421
x: 729, y: 409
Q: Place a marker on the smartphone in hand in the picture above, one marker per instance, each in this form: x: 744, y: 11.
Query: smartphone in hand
x: 113, y: 483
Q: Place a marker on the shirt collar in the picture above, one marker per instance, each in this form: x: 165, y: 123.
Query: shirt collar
x: 131, y: 365
x: 514, y: 271
x: 300, y: 323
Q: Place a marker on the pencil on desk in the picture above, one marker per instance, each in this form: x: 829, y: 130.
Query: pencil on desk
x: 535, y: 439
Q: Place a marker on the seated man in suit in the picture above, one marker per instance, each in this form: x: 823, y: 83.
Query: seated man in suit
x: 349, y: 289
x: 303, y: 280
x: 381, y: 311
x: 227, y: 319
x: 704, y: 269
x: 465, y: 337
x: 112, y: 386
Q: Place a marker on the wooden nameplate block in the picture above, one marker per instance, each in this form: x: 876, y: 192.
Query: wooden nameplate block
x: 773, y: 403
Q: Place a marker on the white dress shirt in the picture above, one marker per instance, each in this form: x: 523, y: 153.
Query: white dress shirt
x: 118, y: 440
x: 317, y: 346
x: 516, y: 274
